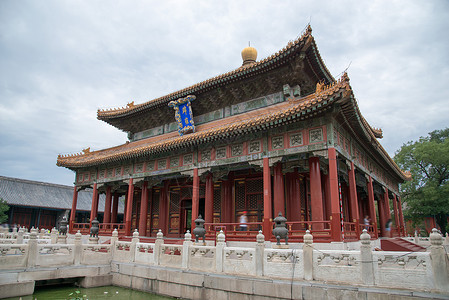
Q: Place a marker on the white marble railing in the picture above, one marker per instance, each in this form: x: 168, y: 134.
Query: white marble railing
x: 423, y: 271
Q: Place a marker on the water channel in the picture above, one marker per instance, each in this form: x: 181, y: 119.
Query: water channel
x: 76, y: 293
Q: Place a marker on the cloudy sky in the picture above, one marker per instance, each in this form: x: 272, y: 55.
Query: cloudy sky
x: 62, y: 60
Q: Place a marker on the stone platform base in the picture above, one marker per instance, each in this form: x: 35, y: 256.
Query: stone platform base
x: 96, y: 281
x: 16, y: 289
x: 196, y: 285
x: 15, y: 283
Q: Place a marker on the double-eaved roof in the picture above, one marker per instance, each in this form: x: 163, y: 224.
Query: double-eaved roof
x: 319, y: 91
x: 22, y: 192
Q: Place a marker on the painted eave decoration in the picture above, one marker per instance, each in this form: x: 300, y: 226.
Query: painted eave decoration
x: 183, y: 114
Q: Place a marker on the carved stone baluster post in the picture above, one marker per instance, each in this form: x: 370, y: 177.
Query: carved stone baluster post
x: 307, y: 252
x: 114, y: 240
x: 186, y: 249
x: 133, y: 247
x: 366, y: 256
x: 32, y: 250
x: 260, y: 247
x: 219, y: 251
x: 157, y: 247
x: 54, y: 236
x: 78, y: 248
x: 20, y: 236
x: 439, y: 261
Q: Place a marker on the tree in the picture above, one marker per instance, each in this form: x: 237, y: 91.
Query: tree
x: 427, y: 193
x: 3, y: 211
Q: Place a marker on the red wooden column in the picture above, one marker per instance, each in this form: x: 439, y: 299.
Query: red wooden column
x: 125, y: 206
x: 400, y: 217
x: 387, y: 211
x: 114, y: 208
x: 326, y: 196
x: 372, y: 208
x: 382, y: 215
x: 143, y: 210
x: 335, y: 198
x: 93, y: 210
x: 209, y: 199
x: 267, y: 208
x: 316, y: 195
x: 396, y: 215
x: 278, y: 187
x: 195, y: 196
x: 163, y: 207
x: 226, y: 203
x: 73, y: 211
x: 353, y: 201
x: 107, y: 206
x: 129, y: 207
x: 293, y: 196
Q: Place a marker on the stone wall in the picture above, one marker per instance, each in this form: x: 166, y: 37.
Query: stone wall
x: 142, y: 266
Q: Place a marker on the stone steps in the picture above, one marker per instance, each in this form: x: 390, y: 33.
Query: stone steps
x: 398, y: 244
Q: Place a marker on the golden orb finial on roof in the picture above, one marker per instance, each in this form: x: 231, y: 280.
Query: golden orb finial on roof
x: 249, y: 55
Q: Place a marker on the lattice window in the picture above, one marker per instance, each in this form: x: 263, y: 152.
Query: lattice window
x: 188, y: 159
x: 174, y: 200
x: 150, y: 165
x: 186, y: 193
x: 162, y: 164
x: 174, y: 162
x: 254, y: 147
x: 253, y: 200
x: 296, y: 139
x: 206, y: 155
x: 237, y: 150
x: 118, y: 171
x: 202, y: 191
x: 155, y: 201
x: 240, y: 195
x: 139, y: 168
x: 220, y: 153
x: 277, y: 142
x: 127, y: 170
x: 254, y: 186
x: 217, y: 199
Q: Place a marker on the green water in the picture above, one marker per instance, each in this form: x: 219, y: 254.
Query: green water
x: 75, y: 293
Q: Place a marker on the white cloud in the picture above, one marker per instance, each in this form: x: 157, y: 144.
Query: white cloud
x: 62, y: 60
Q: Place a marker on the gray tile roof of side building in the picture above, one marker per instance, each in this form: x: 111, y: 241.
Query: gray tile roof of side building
x: 24, y: 192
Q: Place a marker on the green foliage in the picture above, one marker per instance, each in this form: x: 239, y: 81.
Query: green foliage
x: 427, y: 194
x: 77, y: 296
x: 3, y: 211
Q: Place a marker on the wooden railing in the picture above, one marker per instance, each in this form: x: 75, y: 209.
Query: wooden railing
x: 351, y: 232
x: 105, y: 228
x: 233, y: 231
x: 370, y: 228
x: 84, y: 228
x: 108, y: 228
x: 321, y: 230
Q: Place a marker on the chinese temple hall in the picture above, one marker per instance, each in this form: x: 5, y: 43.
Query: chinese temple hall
x: 278, y: 135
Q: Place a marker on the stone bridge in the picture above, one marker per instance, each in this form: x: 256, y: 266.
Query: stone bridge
x: 216, y: 270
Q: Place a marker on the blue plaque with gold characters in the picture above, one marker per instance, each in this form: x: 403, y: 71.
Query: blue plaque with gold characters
x: 183, y: 114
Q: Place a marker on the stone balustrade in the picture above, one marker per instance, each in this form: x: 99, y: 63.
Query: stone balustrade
x: 419, y: 271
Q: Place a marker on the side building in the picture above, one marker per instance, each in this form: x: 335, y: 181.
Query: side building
x: 279, y: 135
x: 42, y: 204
